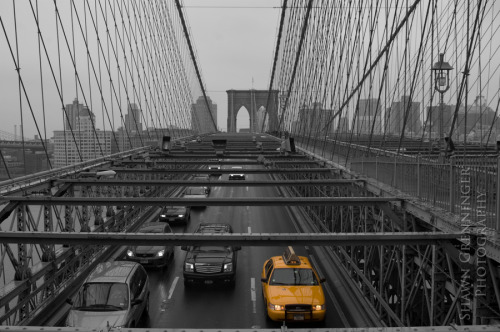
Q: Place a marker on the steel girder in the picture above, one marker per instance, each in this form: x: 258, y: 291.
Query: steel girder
x: 243, y: 239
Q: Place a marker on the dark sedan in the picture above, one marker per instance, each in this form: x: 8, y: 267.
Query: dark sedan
x: 175, y: 214
x: 153, y: 256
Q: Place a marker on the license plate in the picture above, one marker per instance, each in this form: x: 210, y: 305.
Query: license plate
x: 298, y: 317
x: 209, y: 282
x: 171, y: 219
x: 144, y: 261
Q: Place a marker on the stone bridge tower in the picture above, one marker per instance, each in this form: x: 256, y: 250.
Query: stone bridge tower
x: 252, y: 100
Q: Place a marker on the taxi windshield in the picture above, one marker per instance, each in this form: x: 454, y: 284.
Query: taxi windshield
x: 293, y: 277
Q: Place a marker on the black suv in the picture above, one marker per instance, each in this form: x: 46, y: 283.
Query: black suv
x: 210, y: 264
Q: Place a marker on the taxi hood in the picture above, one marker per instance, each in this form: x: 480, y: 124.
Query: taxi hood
x: 283, y: 294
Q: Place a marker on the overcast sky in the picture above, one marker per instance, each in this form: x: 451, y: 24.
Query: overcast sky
x: 235, y: 41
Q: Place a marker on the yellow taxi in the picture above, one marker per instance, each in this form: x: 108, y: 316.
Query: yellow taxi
x: 291, y: 289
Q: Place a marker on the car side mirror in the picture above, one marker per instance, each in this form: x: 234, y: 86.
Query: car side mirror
x: 69, y: 301
x: 137, y: 301
x: 236, y: 248
x: 321, y: 280
x: 263, y: 279
x: 185, y: 248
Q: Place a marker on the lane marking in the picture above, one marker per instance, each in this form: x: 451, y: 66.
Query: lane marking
x: 249, y: 229
x: 171, y: 291
x: 253, y: 295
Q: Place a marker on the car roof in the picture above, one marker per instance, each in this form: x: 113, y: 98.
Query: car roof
x: 279, y: 262
x: 117, y: 271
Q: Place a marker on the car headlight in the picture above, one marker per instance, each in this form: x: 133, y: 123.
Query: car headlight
x: 130, y: 253
x: 318, y: 307
x: 181, y: 216
x: 188, y: 267
x: 160, y: 253
x: 228, y: 267
x: 163, y: 215
x: 276, y: 307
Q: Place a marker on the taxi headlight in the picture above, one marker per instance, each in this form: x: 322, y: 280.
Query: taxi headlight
x: 160, y: 253
x: 181, y: 216
x: 188, y: 267
x: 228, y: 267
x: 276, y: 307
x: 319, y: 307
x: 130, y: 253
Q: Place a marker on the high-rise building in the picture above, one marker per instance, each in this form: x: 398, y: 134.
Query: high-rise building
x: 399, y: 111
x: 72, y: 113
x: 369, y: 113
x: 201, y: 121
x: 80, y: 141
x: 133, y: 119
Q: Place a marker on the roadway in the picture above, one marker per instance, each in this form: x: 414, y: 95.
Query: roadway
x: 174, y: 306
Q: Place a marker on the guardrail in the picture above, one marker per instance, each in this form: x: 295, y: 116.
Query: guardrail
x: 22, y: 182
x: 464, y: 185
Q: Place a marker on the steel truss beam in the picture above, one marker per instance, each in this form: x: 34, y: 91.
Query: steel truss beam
x: 220, y: 171
x: 226, y: 161
x: 217, y: 183
x: 235, y: 239
x: 454, y: 328
x: 162, y: 201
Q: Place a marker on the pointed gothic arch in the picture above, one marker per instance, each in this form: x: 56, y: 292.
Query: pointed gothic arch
x: 252, y: 100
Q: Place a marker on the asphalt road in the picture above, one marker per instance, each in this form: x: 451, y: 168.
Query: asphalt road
x: 174, y: 306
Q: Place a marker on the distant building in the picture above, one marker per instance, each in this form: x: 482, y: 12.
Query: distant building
x: 201, y: 121
x: 368, y: 117
x: 72, y: 113
x: 435, y: 115
x: 343, y: 126
x: 478, y: 121
x: 133, y: 119
x: 313, y: 120
x: 399, y: 111
x: 80, y: 142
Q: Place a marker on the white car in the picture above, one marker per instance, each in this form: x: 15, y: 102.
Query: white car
x: 115, y: 294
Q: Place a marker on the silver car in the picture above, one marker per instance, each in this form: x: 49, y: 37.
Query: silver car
x: 115, y: 294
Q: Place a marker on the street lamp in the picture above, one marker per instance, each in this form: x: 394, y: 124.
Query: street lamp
x: 441, y: 71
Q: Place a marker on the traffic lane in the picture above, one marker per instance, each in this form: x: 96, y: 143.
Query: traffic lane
x: 206, y: 307
x: 221, y: 307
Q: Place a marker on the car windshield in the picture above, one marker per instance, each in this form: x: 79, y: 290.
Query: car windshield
x: 195, y: 191
x: 211, y: 249
x: 292, y: 276
x: 102, y: 296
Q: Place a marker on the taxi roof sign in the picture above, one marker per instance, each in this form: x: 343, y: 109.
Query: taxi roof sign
x: 289, y: 257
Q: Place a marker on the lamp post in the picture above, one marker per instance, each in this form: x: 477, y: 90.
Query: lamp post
x: 441, y: 71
